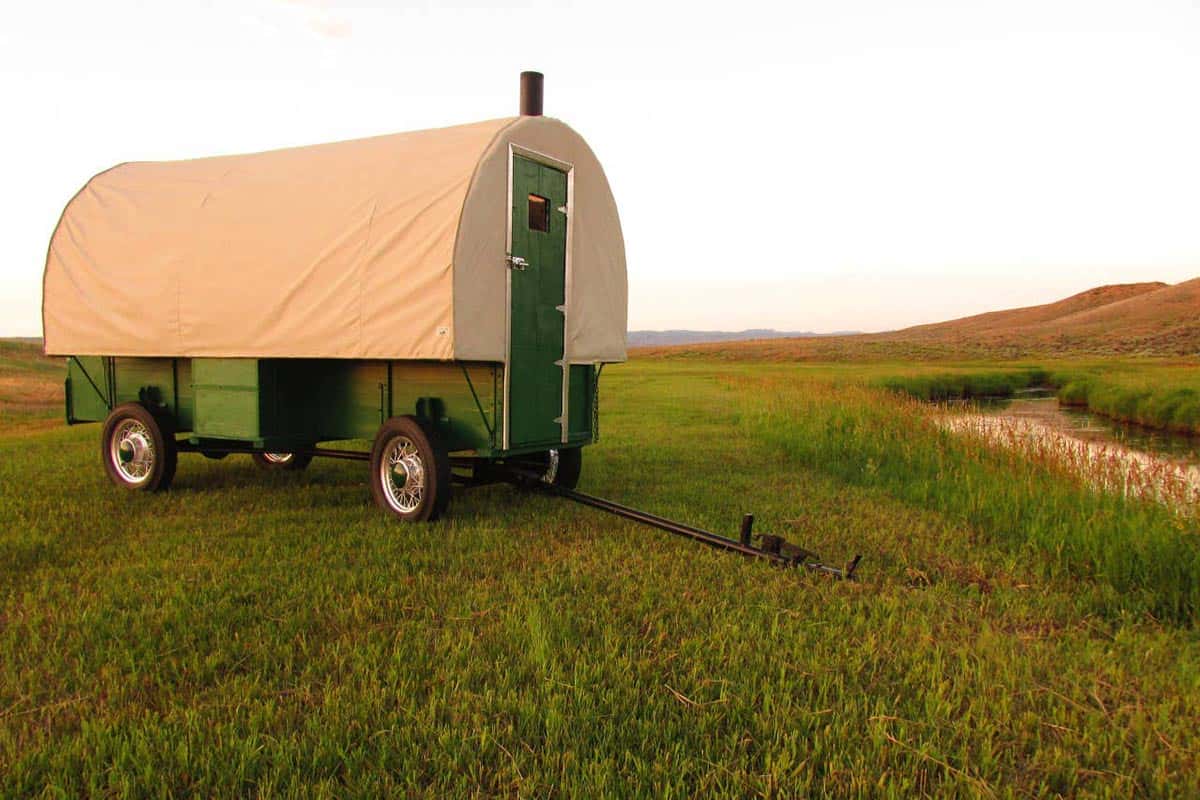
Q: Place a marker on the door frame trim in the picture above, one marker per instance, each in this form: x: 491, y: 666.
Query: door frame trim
x: 515, y: 150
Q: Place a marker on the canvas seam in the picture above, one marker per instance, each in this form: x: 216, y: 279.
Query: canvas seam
x: 362, y: 277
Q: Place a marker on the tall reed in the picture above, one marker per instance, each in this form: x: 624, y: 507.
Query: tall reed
x: 962, y: 385
x: 1148, y: 554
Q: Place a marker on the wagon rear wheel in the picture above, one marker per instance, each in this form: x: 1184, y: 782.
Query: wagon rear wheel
x: 561, y: 467
x: 410, y: 471
x: 138, y: 448
x: 282, y: 461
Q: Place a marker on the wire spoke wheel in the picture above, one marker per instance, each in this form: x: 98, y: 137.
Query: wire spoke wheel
x: 281, y: 461
x: 410, y: 471
x: 138, y: 448
x: 402, y: 473
x: 551, y: 471
x: 558, y: 467
x: 132, y: 452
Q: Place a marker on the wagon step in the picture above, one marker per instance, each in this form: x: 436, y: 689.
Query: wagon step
x: 775, y: 549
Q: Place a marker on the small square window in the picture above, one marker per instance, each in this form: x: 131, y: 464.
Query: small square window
x: 539, y: 213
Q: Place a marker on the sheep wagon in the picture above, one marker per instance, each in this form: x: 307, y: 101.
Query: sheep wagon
x: 450, y: 294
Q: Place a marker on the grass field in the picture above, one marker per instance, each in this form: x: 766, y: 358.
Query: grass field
x: 30, y: 386
x: 1015, y: 633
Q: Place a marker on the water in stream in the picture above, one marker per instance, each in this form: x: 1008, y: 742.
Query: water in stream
x: 1113, y: 455
x: 1041, y: 408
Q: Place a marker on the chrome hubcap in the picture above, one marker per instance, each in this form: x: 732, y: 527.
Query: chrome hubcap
x: 132, y: 451
x: 402, y: 474
x: 279, y: 458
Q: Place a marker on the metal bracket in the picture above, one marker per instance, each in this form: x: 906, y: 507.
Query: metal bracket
x: 563, y: 210
x: 466, y: 374
x: 516, y: 262
x: 107, y: 402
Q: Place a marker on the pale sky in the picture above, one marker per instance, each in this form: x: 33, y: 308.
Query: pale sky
x: 834, y: 165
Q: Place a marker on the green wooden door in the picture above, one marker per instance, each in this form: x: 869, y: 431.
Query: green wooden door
x: 539, y: 252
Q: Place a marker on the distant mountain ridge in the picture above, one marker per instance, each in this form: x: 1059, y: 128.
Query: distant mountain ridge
x: 668, y: 338
x: 1144, y: 319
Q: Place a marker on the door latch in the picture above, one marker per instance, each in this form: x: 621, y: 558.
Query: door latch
x: 517, y: 263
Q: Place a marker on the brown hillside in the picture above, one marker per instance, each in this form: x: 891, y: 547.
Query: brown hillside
x: 1125, y: 319
x: 1037, y: 315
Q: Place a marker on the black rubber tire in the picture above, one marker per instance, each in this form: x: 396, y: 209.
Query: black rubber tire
x: 570, y: 465
x: 162, y: 437
x: 295, y: 462
x: 435, y: 463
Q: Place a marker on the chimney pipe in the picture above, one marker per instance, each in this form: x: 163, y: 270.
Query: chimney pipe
x: 531, y: 94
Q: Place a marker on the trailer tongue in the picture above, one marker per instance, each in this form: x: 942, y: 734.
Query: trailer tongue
x: 774, y: 549
x: 519, y: 472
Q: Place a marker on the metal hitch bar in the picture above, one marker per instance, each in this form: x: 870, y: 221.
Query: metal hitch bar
x: 774, y: 549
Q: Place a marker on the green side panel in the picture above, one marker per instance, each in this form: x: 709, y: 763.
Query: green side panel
x: 146, y: 380
x: 439, y: 394
x: 356, y: 399
x: 161, y: 383
x: 305, y: 401
x: 322, y: 399
x: 301, y: 401
x: 582, y: 389
x: 226, y: 397
x: 87, y: 389
x: 536, y: 334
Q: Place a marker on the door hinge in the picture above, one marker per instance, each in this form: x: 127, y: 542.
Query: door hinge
x: 563, y: 309
x: 516, y: 262
x: 564, y: 210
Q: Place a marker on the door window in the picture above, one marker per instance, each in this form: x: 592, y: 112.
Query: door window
x: 539, y: 213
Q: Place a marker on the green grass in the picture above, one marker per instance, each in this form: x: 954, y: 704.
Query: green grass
x: 30, y: 386
x: 274, y: 634
x: 1154, y: 394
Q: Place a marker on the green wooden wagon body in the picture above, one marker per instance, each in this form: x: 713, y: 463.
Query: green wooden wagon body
x: 282, y: 405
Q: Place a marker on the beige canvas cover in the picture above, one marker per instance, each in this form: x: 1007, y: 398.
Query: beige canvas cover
x: 388, y: 247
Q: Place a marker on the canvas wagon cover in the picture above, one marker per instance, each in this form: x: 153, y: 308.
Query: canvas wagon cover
x: 388, y: 247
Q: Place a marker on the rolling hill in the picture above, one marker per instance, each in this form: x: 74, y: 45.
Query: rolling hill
x: 1032, y: 316
x: 1153, y: 319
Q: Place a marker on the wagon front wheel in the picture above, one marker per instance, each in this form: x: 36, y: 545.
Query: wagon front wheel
x: 138, y: 449
x: 282, y: 461
x: 410, y: 471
